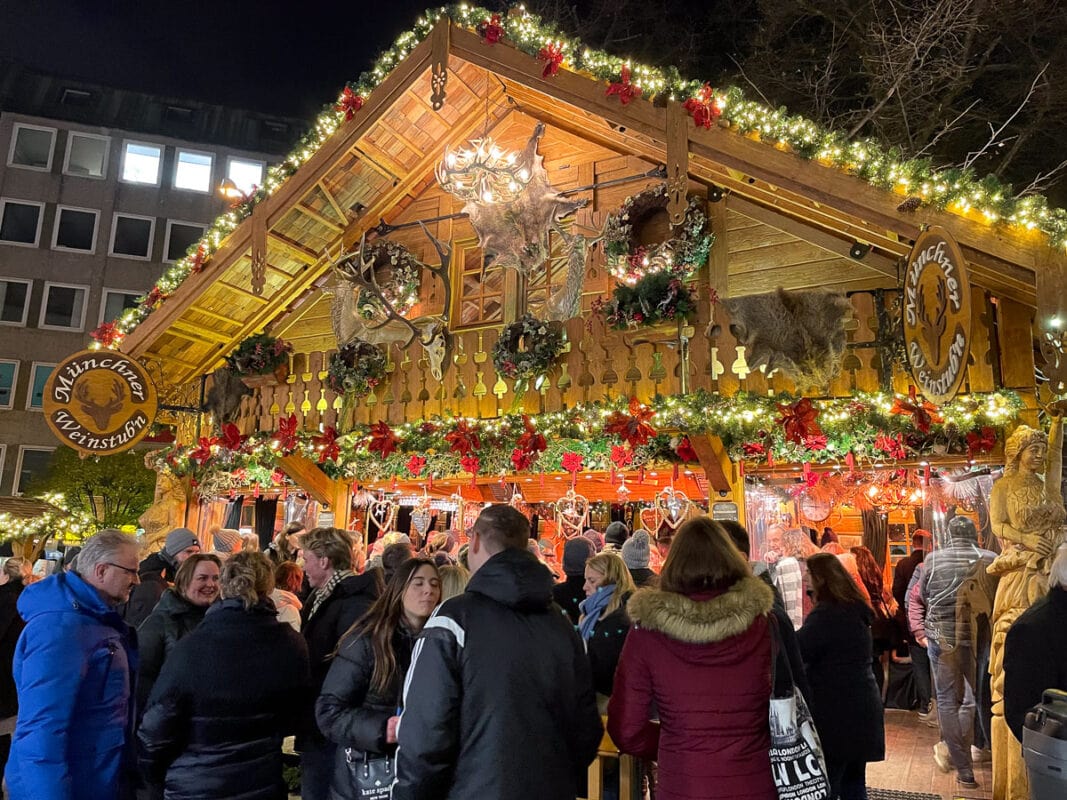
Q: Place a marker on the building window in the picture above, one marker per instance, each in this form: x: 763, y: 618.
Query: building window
x: 115, y: 302
x: 33, y: 461
x: 20, y: 222
x: 131, y: 236
x: 86, y: 155
x: 14, y: 301
x: 75, y: 229
x: 3, y: 456
x: 31, y: 147
x: 9, y: 375
x: 76, y: 97
x: 141, y: 163
x: 481, y: 299
x: 180, y: 237
x: 63, y: 307
x: 192, y: 171
x: 246, y: 174
x: 38, y: 378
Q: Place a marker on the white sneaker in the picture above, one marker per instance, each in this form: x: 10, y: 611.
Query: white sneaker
x: 941, y: 757
x: 979, y: 756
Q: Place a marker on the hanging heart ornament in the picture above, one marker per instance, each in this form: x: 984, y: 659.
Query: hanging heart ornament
x: 383, y: 513
x: 572, y: 514
x: 650, y: 520
x: 672, y: 506
x: 420, y: 521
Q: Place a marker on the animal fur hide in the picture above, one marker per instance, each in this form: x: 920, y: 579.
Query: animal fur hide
x: 801, y: 333
x: 224, y: 397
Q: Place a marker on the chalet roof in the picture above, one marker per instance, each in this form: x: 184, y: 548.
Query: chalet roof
x: 271, y: 255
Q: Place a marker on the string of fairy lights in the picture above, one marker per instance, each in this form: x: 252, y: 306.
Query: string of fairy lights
x: 64, y: 522
x: 958, y: 190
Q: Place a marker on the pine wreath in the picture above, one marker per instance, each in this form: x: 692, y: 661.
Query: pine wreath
x: 659, y: 297
x: 527, y: 348
x: 680, y: 256
x: 400, y: 287
x: 356, y: 368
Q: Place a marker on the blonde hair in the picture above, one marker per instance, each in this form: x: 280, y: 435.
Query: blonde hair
x: 247, y: 576
x: 453, y: 580
x: 614, y: 570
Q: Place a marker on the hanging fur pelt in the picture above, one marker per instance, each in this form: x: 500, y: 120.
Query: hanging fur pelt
x: 224, y: 397
x: 801, y: 333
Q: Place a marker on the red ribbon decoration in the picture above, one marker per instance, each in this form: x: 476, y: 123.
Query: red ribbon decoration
x: 471, y: 464
x: 552, y: 55
x: 415, y: 465
x: 326, y: 444
x: 232, y: 438
x: 799, y: 420
x: 463, y: 439
x: 851, y: 461
x: 816, y: 442
x: 685, y: 450
x: 203, y: 450
x: 522, y: 460
x: 528, y: 447
x: 491, y: 30
x: 198, y: 258
x: 981, y: 442
x: 350, y: 103
x: 753, y: 449
x: 106, y: 334
x: 892, y: 447
x: 702, y: 108
x: 632, y: 428
x: 287, y: 433
x: 572, y: 462
x: 382, y: 439
x: 625, y: 90
x: 923, y: 413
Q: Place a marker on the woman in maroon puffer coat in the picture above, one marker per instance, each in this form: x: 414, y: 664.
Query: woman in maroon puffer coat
x: 700, y: 651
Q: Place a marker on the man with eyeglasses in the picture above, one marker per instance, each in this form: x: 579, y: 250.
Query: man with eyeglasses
x: 74, y: 666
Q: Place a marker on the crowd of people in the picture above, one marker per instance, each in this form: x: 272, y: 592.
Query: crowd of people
x: 477, y: 671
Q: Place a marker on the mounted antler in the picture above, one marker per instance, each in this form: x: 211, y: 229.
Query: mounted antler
x: 100, y: 413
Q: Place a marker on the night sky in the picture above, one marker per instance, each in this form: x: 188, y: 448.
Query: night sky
x: 287, y: 58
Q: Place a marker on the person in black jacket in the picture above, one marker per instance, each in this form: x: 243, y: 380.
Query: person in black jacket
x: 499, y: 701
x: 227, y: 695
x: 836, y: 643
x: 571, y: 592
x: 603, y: 625
x: 357, y: 708
x: 11, y: 626
x: 338, y: 598
x: 178, y: 613
x: 157, y: 573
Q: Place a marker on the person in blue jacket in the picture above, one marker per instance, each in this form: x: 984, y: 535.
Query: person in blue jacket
x: 74, y: 668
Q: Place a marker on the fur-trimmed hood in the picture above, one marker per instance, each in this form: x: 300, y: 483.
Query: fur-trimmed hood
x: 702, y: 621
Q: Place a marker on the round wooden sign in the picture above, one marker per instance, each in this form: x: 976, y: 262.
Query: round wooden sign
x: 100, y: 402
x: 937, y: 315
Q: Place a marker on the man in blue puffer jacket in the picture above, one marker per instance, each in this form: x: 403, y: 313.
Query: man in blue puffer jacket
x: 74, y: 668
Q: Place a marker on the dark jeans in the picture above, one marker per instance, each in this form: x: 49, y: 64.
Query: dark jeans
x: 316, y: 771
x: 955, y: 703
x: 920, y: 669
x: 848, y: 780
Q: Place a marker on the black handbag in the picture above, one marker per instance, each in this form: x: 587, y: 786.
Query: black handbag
x: 370, y: 778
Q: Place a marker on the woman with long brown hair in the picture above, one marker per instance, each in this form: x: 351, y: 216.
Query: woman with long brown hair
x: 835, y: 642
x: 359, y: 705
x: 701, y: 648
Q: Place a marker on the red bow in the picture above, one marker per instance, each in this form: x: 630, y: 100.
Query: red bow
x: 463, y: 439
x: 350, y: 103
x: 816, y: 442
x: 522, y: 459
x: 981, y: 442
x: 894, y: 448
x: 277, y: 477
x: 923, y: 413
x: 552, y: 55
x: 326, y: 444
x: 107, y: 334
x: 685, y: 450
x: 799, y: 420
x: 633, y: 428
x: 232, y: 438
x: 752, y: 449
x: 203, y: 450
x: 491, y: 30
x: 620, y: 456
x: 471, y: 464
x: 415, y: 465
x: 382, y: 439
x: 572, y: 462
x: 153, y: 298
x: 287, y: 433
x: 624, y: 89
x: 702, y: 108
x: 198, y: 258
x: 531, y: 441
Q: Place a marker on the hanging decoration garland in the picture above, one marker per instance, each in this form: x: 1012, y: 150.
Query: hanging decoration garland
x: 527, y: 349
x: 400, y: 289
x: 355, y: 369
x: 656, y: 298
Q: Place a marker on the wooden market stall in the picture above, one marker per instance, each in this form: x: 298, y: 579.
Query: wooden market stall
x: 788, y: 210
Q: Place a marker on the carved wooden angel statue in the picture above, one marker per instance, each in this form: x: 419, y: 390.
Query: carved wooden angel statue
x: 1027, y: 515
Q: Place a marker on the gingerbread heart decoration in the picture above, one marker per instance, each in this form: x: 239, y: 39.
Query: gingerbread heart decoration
x: 650, y: 520
x: 383, y: 513
x: 420, y: 521
x: 672, y: 506
x: 572, y: 514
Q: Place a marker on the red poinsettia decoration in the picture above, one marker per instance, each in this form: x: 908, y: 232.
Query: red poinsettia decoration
x: 427, y: 428
x: 107, y: 334
x: 521, y: 459
x: 349, y: 103
x: 552, y: 55
x: 891, y: 446
x: 287, y: 433
x: 621, y: 456
x: 471, y: 464
x: 799, y: 420
x: 277, y: 477
x: 923, y: 413
x: 753, y: 449
x: 531, y: 441
x: 817, y: 441
x: 382, y: 439
x: 491, y: 29
x: 632, y: 428
x: 203, y: 450
x: 981, y: 441
x: 416, y: 464
x: 199, y: 257
x: 572, y: 462
x: 703, y: 108
x: 685, y: 450
x: 326, y: 444
x: 463, y: 439
x: 231, y: 438
x: 625, y: 90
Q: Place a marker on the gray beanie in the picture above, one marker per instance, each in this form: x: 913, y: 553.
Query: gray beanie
x: 176, y: 541
x: 635, y: 551
x: 575, y: 553
x: 616, y: 534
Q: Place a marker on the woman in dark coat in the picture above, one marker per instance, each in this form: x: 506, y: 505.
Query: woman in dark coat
x: 359, y: 705
x: 835, y: 642
x: 179, y: 612
x: 604, y: 624
x: 701, y: 649
x: 11, y: 626
x: 228, y: 693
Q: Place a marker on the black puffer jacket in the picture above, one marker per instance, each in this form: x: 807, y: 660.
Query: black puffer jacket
x: 349, y: 601
x: 227, y: 695
x: 11, y: 626
x: 499, y: 702
x: 173, y: 618
x: 350, y: 713
x: 569, y: 596
x: 156, y: 575
x: 605, y: 646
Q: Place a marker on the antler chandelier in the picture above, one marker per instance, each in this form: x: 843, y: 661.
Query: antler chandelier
x: 483, y: 173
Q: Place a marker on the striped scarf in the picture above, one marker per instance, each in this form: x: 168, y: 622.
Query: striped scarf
x: 322, y: 594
